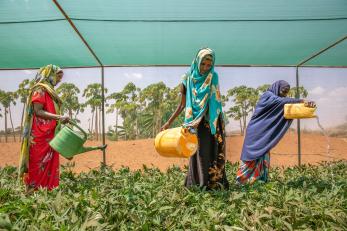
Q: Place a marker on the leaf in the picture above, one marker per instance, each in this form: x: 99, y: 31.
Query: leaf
x: 165, y: 208
x: 233, y: 228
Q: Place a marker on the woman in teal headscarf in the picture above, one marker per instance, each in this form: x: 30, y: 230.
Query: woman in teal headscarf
x: 201, y: 99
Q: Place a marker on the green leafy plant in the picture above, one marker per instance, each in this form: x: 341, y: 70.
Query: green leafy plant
x: 299, y: 198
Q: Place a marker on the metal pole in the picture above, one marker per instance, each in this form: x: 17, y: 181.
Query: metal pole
x: 103, y: 114
x: 102, y: 74
x: 174, y: 65
x: 297, y: 95
x: 321, y: 51
x: 297, y: 86
x: 77, y: 31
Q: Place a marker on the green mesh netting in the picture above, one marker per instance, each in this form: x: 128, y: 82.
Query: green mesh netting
x: 157, y: 32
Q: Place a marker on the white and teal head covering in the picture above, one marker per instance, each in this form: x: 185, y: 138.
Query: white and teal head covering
x: 202, y: 92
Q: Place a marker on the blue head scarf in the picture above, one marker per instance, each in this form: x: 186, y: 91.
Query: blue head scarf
x: 202, y: 92
x: 267, y: 125
x: 277, y: 86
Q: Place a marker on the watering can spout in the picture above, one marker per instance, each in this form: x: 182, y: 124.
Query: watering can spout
x: 92, y: 148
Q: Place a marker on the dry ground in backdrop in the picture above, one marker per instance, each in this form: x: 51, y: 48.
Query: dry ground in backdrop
x: 137, y: 153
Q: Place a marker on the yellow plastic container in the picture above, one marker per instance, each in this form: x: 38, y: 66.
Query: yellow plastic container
x: 298, y: 111
x: 176, y: 142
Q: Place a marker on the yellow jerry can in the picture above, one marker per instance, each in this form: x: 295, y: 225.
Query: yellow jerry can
x: 176, y: 142
x: 298, y: 111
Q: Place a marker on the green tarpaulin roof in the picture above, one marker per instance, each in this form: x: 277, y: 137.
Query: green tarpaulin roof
x: 165, y: 32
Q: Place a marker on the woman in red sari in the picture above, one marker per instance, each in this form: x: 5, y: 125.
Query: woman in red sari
x: 39, y: 163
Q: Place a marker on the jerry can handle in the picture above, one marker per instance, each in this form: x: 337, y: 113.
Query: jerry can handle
x: 79, y: 128
x: 192, y: 130
x: 189, y: 129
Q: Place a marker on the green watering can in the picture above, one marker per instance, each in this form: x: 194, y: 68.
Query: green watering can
x: 69, y: 142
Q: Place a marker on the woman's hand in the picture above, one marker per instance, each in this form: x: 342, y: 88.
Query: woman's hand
x: 165, y: 126
x: 64, y: 119
x: 310, y: 104
x: 40, y: 112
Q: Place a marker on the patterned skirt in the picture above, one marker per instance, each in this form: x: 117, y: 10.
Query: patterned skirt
x: 251, y: 171
x: 207, y: 166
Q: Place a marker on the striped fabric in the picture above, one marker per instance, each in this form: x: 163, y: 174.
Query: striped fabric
x: 251, y: 171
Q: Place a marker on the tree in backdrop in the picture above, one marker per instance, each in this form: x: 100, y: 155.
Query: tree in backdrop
x: 93, y: 95
x: 2, y: 96
x: 1, y: 116
x: 245, y: 98
x: 23, y: 94
x: 171, y: 102
x: 262, y: 88
x: 130, y: 111
x: 142, y: 111
x: 235, y: 113
x: 68, y: 93
x: 153, y: 99
x: 118, y: 99
x: 6, y: 99
x: 303, y: 93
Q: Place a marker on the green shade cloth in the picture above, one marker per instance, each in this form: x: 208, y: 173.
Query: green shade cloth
x: 156, y: 32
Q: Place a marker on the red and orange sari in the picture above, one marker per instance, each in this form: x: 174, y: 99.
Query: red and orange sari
x: 39, y: 163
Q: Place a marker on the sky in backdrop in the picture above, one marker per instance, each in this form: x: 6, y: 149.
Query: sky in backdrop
x: 326, y: 86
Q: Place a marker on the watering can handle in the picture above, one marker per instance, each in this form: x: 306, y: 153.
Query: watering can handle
x: 79, y: 128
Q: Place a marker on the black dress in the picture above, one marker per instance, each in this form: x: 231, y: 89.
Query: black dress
x: 207, y: 166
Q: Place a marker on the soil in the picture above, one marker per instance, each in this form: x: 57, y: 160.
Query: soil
x: 134, y: 154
